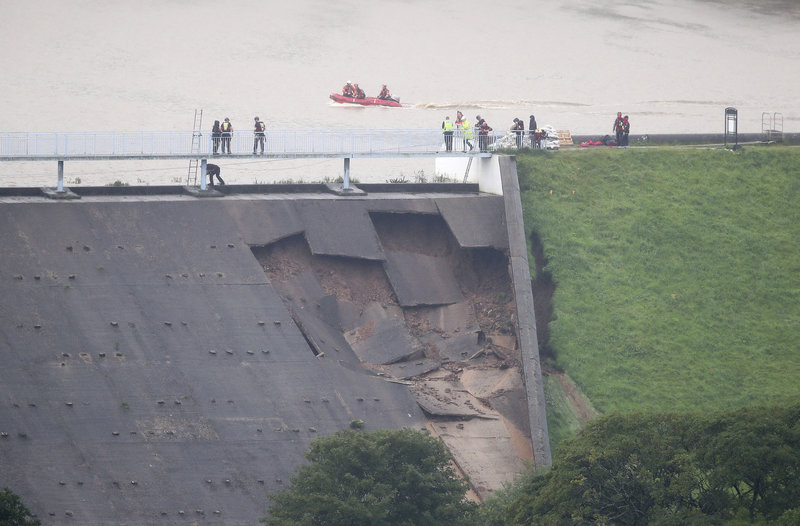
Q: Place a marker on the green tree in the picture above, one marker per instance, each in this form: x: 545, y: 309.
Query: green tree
x: 13, y: 512
x: 663, y: 469
x: 397, y: 478
x: 752, y: 458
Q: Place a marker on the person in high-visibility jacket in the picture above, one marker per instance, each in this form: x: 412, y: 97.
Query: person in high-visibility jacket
x: 227, y: 131
x: 447, y: 126
x: 466, y: 130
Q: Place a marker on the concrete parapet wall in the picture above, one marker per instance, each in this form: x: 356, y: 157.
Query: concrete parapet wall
x: 526, y: 322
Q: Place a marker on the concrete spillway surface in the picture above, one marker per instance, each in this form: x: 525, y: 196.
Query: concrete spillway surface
x: 160, y: 364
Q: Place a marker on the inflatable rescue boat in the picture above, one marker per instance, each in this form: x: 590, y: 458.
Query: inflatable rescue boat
x: 366, y: 101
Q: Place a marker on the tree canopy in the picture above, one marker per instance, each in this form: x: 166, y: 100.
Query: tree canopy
x: 397, y: 478
x: 13, y: 512
x: 635, y: 469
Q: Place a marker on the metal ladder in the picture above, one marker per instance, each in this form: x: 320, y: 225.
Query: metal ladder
x: 466, y: 172
x: 191, y: 177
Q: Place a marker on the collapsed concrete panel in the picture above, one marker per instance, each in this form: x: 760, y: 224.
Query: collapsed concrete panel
x: 262, y: 223
x: 476, y: 221
x: 418, y: 279
x: 381, y: 336
x: 340, y: 228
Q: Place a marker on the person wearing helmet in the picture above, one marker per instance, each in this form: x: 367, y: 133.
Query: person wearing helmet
x: 260, y: 136
x: 384, y: 94
x: 465, y: 131
x: 348, y: 90
x: 227, y: 132
x: 359, y: 93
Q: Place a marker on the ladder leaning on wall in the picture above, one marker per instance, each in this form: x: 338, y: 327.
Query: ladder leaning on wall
x: 191, y: 177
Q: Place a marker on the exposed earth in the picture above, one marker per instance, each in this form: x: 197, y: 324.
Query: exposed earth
x: 460, y: 359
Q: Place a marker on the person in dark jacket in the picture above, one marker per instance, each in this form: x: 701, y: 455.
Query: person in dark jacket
x: 359, y: 93
x: 483, y: 135
x: 532, y: 131
x: 519, y: 130
x: 216, y: 133
x: 211, y: 171
x: 618, y: 128
x: 259, y: 135
x: 626, y: 129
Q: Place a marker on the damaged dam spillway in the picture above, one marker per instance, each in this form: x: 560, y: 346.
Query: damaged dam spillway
x: 168, y: 359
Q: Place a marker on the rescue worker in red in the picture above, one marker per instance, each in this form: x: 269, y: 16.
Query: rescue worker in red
x: 384, y: 94
x: 348, y: 90
x: 618, y: 128
x: 227, y: 131
x: 483, y: 134
x: 359, y: 92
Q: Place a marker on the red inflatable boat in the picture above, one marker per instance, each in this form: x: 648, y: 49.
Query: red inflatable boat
x: 366, y: 101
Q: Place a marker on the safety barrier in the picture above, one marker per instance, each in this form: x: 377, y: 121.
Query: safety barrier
x: 277, y: 143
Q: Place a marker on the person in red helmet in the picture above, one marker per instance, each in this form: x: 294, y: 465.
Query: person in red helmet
x: 384, y: 94
x: 359, y: 93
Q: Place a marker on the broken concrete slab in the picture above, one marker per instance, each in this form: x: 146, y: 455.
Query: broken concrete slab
x: 411, y: 368
x: 504, y: 389
x: 453, y: 348
x: 382, y: 336
x: 418, y: 279
x: 262, y: 225
x: 340, y: 228
x: 445, y: 398
x: 476, y: 221
x: 455, y: 318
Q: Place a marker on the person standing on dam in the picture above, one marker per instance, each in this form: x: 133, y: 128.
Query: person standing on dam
x: 260, y: 138
x: 464, y: 132
x: 216, y: 133
x: 626, y: 129
x: 227, y: 131
x: 447, y: 126
x: 618, y: 128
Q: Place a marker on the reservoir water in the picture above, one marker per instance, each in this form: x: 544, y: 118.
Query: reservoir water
x: 673, y: 66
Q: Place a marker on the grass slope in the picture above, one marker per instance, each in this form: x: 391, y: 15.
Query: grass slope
x: 677, y: 273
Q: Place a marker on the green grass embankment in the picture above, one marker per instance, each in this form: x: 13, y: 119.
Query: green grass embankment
x: 677, y: 275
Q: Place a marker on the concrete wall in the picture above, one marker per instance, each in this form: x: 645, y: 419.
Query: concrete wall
x: 526, y: 317
x: 482, y: 170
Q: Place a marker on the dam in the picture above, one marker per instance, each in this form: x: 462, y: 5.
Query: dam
x: 168, y: 358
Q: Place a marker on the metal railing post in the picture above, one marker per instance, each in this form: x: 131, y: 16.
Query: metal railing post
x: 203, y: 169
x: 60, y: 176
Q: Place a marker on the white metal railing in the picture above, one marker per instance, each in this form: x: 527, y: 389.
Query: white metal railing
x: 304, y: 143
